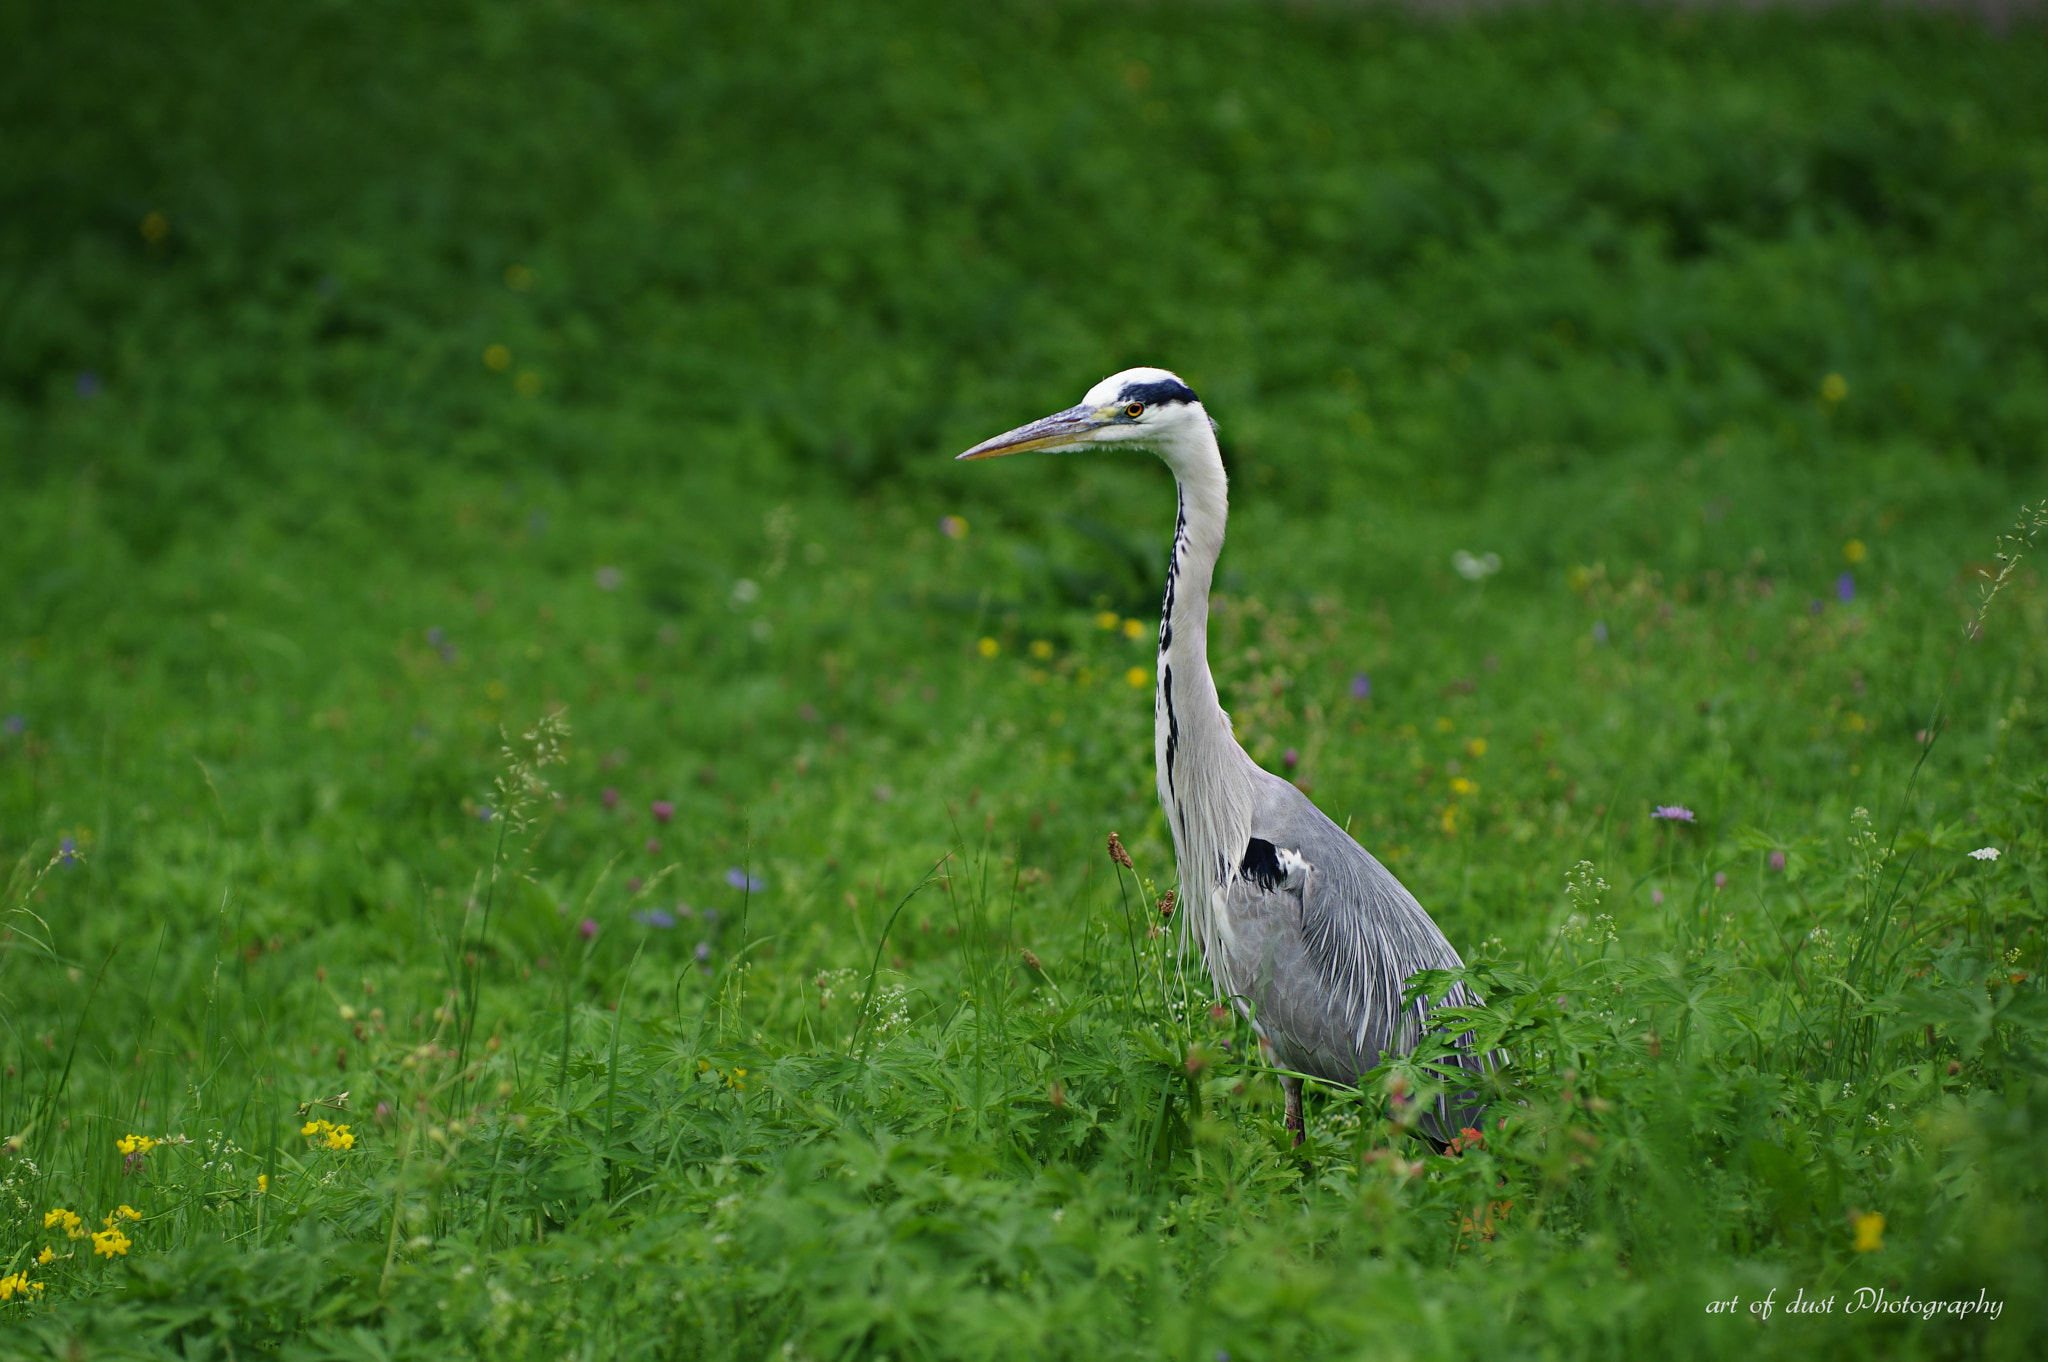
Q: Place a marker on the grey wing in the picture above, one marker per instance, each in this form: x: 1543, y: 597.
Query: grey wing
x: 1274, y: 979
x: 1363, y: 934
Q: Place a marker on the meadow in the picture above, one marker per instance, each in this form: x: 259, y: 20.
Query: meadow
x: 543, y: 815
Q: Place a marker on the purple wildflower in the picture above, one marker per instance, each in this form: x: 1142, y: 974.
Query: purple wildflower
x: 1361, y: 686
x: 588, y: 927
x: 655, y: 917
x: 1656, y: 896
x: 14, y: 723
x: 610, y: 797
x: 436, y: 637
x: 1677, y: 813
x: 67, y: 851
x: 654, y: 846
x: 703, y: 951
x: 633, y: 885
x: 662, y: 810
x: 87, y: 383
x: 685, y: 910
x: 1814, y: 607
x: 483, y: 813
x: 953, y: 527
x: 1599, y: 631
x: 740, y: 879
x: 1845, y: 587
x: 1290, y: 756
x: 1720, y: 879
x: 1778, y: 861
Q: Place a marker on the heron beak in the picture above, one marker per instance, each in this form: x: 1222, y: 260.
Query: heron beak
x: 1062, y: 430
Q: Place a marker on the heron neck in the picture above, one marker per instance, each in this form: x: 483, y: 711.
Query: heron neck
x: 1197, y: 543
x: 1205, y: 783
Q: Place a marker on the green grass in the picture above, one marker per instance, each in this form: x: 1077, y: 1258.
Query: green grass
x: 292, y: 569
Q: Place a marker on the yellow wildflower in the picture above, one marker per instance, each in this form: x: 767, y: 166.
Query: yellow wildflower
x: 1134, y: 629
x: 135, y: 1144
x: 18, y: 1285
x: 262, y: 1182
x: 1476, y: 748
x: 1869, y: 1232
x: 1461, y: 786
x: 46, y: 1257
x: 124, y: 1213
x: 1138, y: 678
x: 1107, y: 620
x: 108, y: 1242
x: 67, y: 1221
x: 1041, y: 649
x: 988, y: 647
x: 1833, y: 388
x: 329, y: 1134
x: 1853, y: 551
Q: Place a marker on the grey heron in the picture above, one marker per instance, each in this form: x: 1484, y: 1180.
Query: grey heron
x: 1310, y: 937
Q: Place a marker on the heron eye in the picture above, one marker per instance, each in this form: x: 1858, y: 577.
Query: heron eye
x: 1134, y: 410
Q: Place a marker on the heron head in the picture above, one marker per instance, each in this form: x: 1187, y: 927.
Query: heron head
x: 1148, y: 408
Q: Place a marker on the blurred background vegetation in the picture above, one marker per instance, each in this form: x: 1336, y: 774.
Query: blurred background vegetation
x: 376, y: 378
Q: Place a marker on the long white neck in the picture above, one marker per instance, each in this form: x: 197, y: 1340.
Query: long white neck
x: 1205, y: 779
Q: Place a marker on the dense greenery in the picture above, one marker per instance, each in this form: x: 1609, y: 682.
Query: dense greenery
x: 485, y: 670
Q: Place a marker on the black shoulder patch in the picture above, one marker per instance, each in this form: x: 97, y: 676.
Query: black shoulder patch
x: 1261, y: 864
x: 1163, y: 393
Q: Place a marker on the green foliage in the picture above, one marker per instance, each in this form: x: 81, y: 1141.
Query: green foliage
x: 559, y: 856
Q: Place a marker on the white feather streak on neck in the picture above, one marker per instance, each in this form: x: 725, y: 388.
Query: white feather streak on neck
x: 1205, y: 778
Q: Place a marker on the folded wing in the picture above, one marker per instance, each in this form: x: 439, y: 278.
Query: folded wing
x: 1322, y: 940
